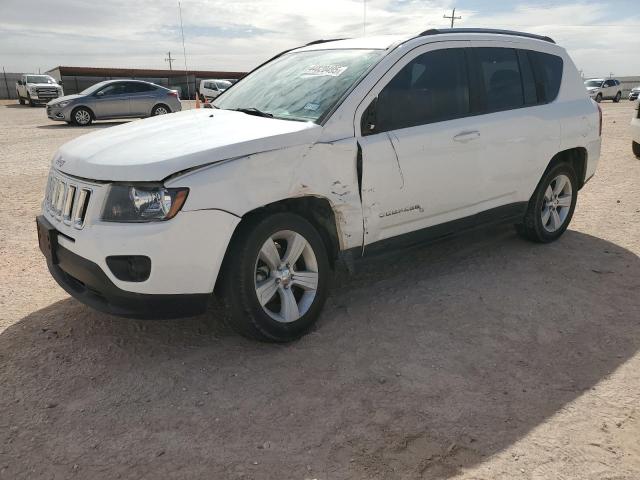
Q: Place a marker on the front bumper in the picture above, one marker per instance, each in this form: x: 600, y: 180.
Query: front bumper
x: 634, y: 95
x: 62, y: 114
x: 635, y: 128
x: 85, y: 281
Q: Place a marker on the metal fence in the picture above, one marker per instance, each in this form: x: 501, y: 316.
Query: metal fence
x: 8, y: 84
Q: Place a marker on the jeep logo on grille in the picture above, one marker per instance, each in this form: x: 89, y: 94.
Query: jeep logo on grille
x: 59, y: 161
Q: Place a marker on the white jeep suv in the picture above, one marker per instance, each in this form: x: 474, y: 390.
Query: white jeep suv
x: 335, y: 150
x: 604, y: 89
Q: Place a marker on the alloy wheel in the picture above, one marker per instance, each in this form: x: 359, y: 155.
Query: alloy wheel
x: 82, y: 117
x: 286, y: 276
x: 160, y: 111
x: 556, y: 203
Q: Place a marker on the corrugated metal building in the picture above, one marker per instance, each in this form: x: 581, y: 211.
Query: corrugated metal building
x: 76, y: 79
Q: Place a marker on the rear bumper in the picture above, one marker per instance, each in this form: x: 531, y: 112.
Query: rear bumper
x: 85, y: 281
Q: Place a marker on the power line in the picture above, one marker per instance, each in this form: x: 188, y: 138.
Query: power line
x: 452, y: 17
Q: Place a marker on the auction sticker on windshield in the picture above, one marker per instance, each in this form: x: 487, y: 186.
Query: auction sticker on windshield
x: 324, y: 70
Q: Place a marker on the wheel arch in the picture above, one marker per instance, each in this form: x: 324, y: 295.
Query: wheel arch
x: 576, y: 157
x: 316, y: 210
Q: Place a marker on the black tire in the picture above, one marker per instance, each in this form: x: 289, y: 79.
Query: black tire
x: 245, y: 314
x: 77, y: 113
x: 31, y: 104
x: 635, y: 146
x: 599, y: 98
x: 158, y: 110
x: 617, y: 98
x: 532, y: 227
x: 20, y: 100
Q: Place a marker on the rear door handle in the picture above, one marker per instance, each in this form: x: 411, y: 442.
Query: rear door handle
x: 465, y: 137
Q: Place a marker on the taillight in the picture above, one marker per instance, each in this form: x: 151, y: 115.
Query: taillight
x: 600, y: 122
x: 173, y: 93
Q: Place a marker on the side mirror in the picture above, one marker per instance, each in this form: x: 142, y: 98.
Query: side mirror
x: 100, y: 93
x: 60, y: 82
x: 19, y: 82
x: 369, y: 119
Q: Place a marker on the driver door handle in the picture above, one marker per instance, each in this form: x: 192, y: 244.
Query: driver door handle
x: 464, y: 137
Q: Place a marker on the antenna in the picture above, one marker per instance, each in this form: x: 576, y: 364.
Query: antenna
x: 452, y: 17
x: 184, y: 52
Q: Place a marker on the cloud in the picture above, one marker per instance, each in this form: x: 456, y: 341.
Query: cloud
x: 239, y: 34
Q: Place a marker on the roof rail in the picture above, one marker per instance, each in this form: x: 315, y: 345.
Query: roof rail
x: 438, y: 31
x: 315, y: 42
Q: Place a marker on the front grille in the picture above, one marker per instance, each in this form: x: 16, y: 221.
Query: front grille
x: 67, y: 201
x: 47, y: 92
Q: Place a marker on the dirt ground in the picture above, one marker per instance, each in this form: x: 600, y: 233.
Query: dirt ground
x: 483, y: 357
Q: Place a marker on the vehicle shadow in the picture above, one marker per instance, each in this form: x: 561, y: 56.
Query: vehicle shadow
x: 17, y: 105
x: 423, y: 363
x: 93, y: 126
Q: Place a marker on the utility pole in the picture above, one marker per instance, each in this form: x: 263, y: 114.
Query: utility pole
x: 610, y: 75
x: 452, y: 17
x: 170, y: 60
x: 184, y: 52
x: 364, y: 18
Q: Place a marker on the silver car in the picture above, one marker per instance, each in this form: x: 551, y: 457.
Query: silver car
x: 114, y: 99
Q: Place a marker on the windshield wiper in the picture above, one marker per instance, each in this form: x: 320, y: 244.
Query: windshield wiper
x: 254, y: 111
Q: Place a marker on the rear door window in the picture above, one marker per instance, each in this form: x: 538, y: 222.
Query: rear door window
x: 432, y: 87
x: 547, y: 70
x: 500, y: 73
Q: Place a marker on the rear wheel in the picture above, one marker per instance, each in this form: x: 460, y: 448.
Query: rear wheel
x: 617, y: 98
x: 160, y: 110
x: 275, y: 278
x: 81, y: 116
x: 551, y: 206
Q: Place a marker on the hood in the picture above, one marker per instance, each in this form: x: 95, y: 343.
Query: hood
x: 154, y: 148
x: 65, y: 98
x: 592, y: 89
x: 50, y: 85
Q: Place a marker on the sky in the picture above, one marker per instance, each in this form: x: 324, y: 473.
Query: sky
x: 602, y: 36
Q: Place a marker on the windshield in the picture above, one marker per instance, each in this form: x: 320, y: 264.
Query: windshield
x: 302, y: 85
x: 593, y: 83
x: 40, y: 79
x: 222, y: 84
x: 94, y: 88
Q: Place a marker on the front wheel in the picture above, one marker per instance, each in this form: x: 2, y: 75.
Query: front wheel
x: 551, y: 206
x: 635, y: 146
x: 599, y: 97
x: 20, y: 100
x: 617, y: 98
x: 275, y: 278
x: 31, y: 104
x: 81, y: 117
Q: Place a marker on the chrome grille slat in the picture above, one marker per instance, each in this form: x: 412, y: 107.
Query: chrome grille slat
x: 67, y: 201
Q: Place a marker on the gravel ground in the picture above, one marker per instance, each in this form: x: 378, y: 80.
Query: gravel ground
x: 483, y: 357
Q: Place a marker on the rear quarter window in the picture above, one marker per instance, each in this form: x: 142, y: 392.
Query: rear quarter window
x: 547, y: 70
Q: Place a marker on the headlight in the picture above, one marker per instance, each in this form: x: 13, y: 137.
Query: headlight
x: 62, y: 104
x: 130, y: 203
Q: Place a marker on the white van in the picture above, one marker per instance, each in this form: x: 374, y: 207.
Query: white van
x: 335, y: 150
x: 210, y: 89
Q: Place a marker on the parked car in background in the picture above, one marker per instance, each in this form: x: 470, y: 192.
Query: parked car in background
x: 37, y: 89
x: 114, y: 99
x: 635, y: 131
x: 336, y: 149
x: 210, y: 89
x: 634, y: 93
x: 604, y: 89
